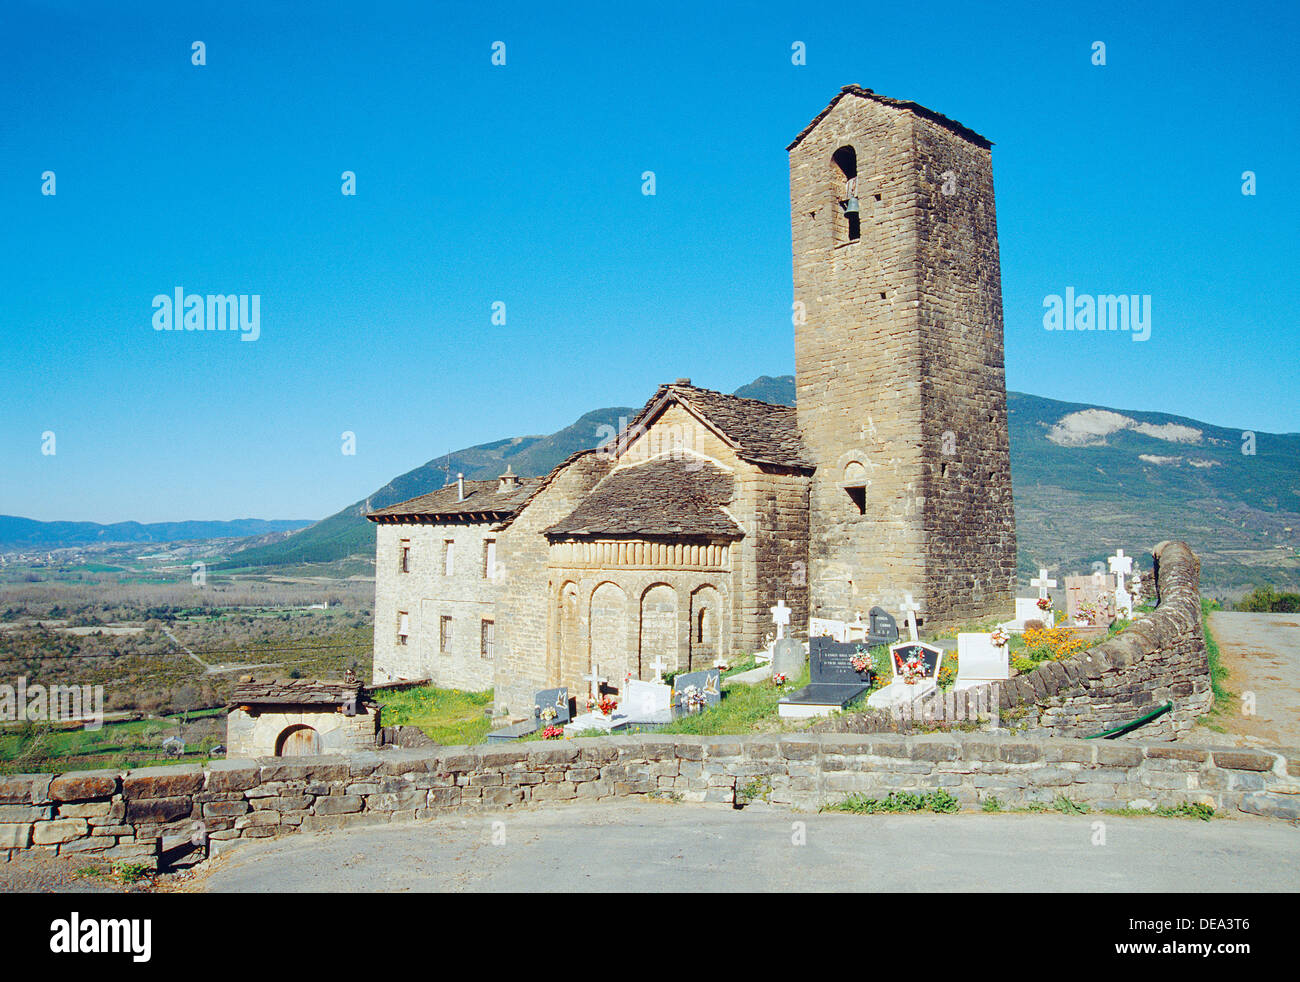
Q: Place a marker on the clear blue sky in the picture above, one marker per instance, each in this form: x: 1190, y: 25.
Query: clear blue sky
x: 523, y: 184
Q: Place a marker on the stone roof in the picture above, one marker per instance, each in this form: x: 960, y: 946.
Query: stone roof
x: 857, y: 90
x: 296, y: 692
x: 673, y: 495
x: 760, y: 432
x: 481, y: 498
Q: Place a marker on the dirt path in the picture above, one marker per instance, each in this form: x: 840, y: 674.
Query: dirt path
x: 1262, y: 655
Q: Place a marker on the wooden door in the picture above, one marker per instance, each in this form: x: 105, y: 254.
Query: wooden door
x: 298, y: 741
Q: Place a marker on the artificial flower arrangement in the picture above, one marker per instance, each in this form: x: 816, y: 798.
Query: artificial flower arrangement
x: 605, y: 704
x: 549, y: 713
x: 862, y: 662
x: 693, y: 697
x: 1045, y: 603
x: 914, y: 670
x: 779, y: 679
x: 552, y: 733
x: 999, y: 637
x: 1087, y: 613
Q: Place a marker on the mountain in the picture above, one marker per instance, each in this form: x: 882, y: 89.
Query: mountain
x: 1087, y: 479
x: 27, y: 533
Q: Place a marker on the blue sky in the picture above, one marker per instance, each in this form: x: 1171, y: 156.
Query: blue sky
x: 522, y: 183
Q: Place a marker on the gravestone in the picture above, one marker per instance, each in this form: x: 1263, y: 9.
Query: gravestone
x: 1097, y: 591
x: 544, y: 703
x: 824, y: 627
x: 928, y: 657
x: 834, y: 681
x: 705, y: 685
x: 788, y: 658
x: 979, y: 660
x: 881, y: 627
x: 647, y: 702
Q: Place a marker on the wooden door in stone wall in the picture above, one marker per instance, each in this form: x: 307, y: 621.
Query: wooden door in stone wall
x: 658, y: 629
x: 706, y: 628
x: 609, y: 634
x: 298, y: 741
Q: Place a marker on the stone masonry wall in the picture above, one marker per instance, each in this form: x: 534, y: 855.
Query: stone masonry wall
x: 970, y: 526
x: 125, y: 817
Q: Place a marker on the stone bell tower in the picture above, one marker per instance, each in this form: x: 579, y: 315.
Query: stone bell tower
x: 899, y: 371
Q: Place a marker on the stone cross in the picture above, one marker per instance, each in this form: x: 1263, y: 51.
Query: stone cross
x: 1042, y: 582
x: 909, y: 607
x: 595, y: 678
x: 780, y: 617
x: 659, y: 665
x: 1120, y: 565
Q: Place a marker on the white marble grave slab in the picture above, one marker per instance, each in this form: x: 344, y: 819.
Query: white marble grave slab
x: 979, y: 660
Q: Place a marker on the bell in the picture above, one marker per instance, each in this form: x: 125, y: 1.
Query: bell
x: 851, y: 206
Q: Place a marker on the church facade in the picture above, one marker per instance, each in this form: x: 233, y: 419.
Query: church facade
x: 667, y: 548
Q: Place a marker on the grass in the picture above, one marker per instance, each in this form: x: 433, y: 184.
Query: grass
x: 897, y: 802
x: 1218, y: 671
x: 136, y: 743
x: 447, y: 716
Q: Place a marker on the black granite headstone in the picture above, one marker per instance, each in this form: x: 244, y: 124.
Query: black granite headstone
x: 833, y: 681
x: 557, y: 699
x: 881, y: 627
x: 707, y: 682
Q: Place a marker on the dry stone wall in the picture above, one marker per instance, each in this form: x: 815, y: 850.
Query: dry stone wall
x: 126, y: 817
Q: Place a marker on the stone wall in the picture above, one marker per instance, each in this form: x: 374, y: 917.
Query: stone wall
x: 1159, y: 658
x: 125, y: 817
x: 426, y: 593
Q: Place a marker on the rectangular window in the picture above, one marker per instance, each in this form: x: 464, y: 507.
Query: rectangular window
x: 448, y: 556
x: 489, y: 558
x: 404, y: 561
x: 403, y: 626
x: 487, y: 641
x: 444, y: 634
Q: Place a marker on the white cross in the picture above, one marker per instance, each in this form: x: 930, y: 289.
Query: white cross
x: 780, y: 617
x: 1120, y: 565
x: 1042, y: 583
x: 595, y: 678
x: 659, y: 665
x: 909, y: 608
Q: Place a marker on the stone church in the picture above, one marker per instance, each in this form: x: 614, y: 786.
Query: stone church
x: 668, y: 546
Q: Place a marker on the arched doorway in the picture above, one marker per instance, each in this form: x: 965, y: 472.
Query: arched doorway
x: 298, y: 741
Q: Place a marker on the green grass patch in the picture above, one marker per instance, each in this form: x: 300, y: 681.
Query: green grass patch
x: 447, y: 716
x: 743, y: 709
x: 1187, y: 809
x: 898, y: 802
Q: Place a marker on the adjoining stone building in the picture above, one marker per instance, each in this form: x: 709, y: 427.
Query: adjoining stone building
x: 669, y: 546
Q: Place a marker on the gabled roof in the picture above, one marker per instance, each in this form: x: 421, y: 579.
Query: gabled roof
x: 481, y: 498
x: 296, y: 692
x: 759, y: 432
x: 857, y: 90
x: 679, y: 494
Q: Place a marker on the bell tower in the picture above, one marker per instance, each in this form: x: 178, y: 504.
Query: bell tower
x: 899, y: 373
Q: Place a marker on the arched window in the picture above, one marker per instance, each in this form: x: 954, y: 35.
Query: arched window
x: 846, y: 163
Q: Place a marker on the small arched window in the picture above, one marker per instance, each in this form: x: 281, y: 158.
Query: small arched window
x: 846, y: 163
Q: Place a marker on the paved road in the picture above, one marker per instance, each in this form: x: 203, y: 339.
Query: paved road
x: 666, y: 847
x: 1262, y: 655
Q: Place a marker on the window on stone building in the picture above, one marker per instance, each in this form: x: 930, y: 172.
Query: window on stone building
x: 448, y: 556
x: 487, y: 639
x: 855, y: 485
x: 489, y: 557
x: 846, y: 164
x: 404, y: 561
x: 444, y: 634
x: 703, y: 628
x: 403, y: 626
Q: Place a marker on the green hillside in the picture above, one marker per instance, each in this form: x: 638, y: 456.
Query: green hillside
x: 1086, y: 480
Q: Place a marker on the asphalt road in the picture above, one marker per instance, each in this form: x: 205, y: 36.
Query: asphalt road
x: 665, y: 847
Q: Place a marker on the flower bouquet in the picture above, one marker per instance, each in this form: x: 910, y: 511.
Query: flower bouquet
x: 999, y: 637
x: 549, y: 713
x: 779, y: 679
x: 1044, y: 604
x: 914, y: 670
x: 552, y: 733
